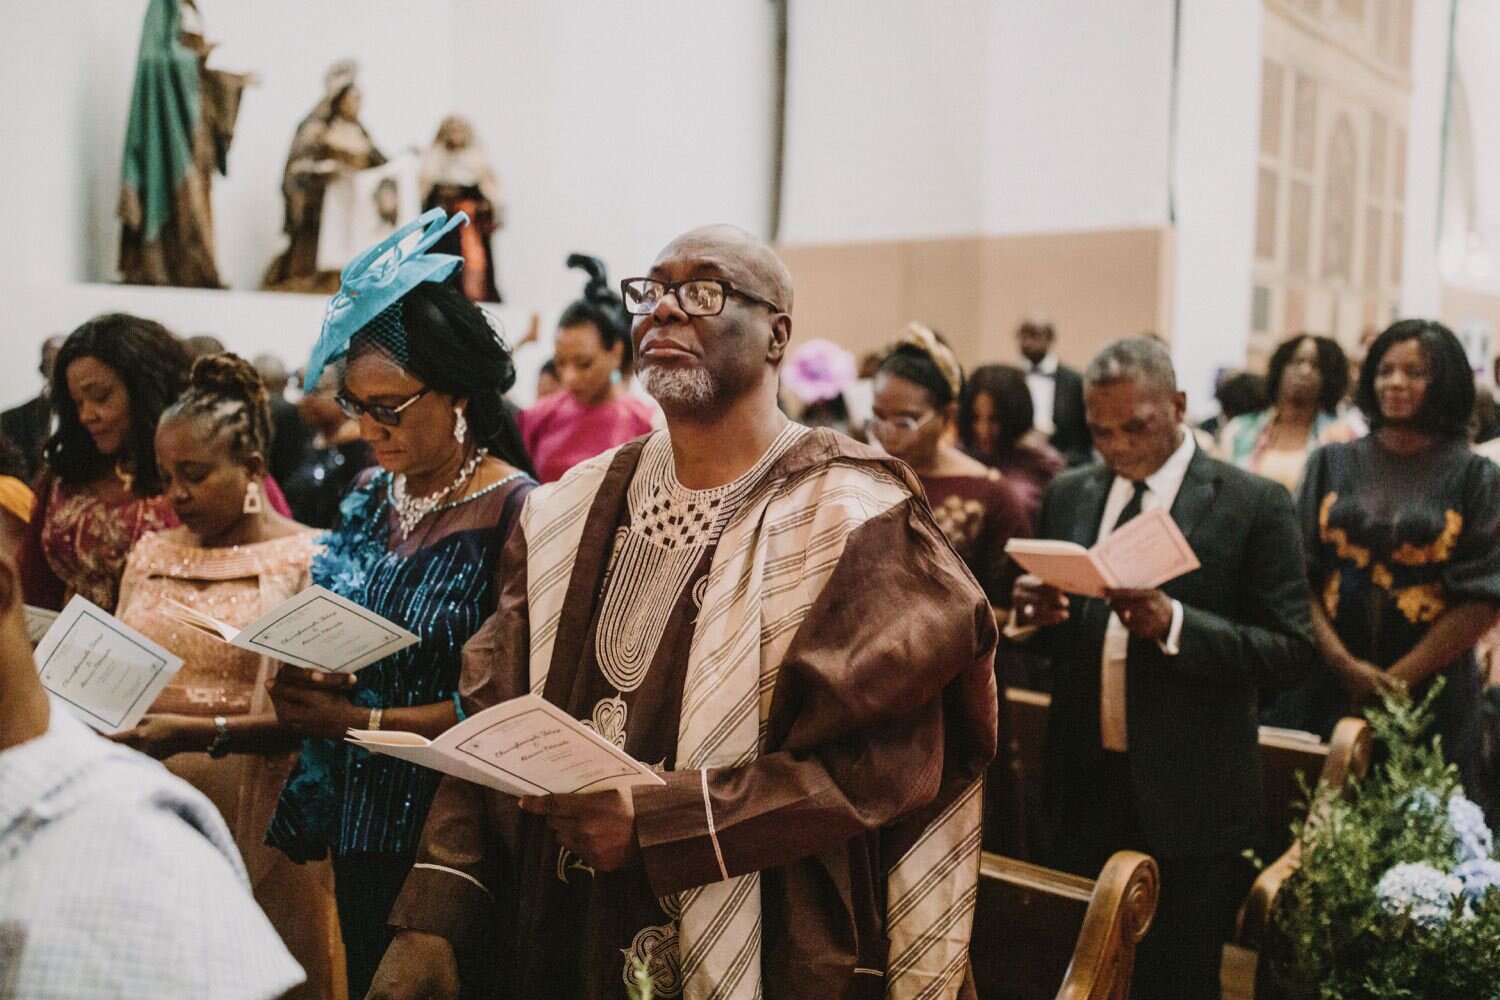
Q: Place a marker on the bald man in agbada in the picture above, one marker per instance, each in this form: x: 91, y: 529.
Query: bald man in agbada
x: 768, y: 617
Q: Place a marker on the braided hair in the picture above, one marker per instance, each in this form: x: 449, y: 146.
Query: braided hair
x: 229, y: 396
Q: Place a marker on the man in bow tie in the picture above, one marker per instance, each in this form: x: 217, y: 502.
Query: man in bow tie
x: 1056, y: 392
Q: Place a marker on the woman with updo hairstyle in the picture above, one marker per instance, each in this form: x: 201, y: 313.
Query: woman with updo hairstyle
x: 1305, y: 381
x: 100, y: 489
x: 234, y: 558
x: 917, y: 388
x: 595, y: 411
x: 1402, y: 532
x: 995, y: 425
x: 417, y: 541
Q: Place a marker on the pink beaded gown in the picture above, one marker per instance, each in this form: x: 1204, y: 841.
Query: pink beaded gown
x: 237, y: 585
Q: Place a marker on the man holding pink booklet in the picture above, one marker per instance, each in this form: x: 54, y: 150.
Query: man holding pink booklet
x: 1152, y: 742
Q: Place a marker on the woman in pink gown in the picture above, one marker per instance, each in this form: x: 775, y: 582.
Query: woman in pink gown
x: 234, y: 558
x: 595, y: 411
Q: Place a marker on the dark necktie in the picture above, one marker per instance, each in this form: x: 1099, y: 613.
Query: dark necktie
x: 1132, y: 508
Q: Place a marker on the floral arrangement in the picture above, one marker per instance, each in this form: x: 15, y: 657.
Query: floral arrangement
x: 1398, y: 892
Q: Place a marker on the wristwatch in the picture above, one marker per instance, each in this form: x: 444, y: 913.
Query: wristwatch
x: 220, y: 745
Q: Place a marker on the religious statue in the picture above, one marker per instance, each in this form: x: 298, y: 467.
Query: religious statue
x: 182, y: 118
x: 456, y: 176
x: 329, y: 143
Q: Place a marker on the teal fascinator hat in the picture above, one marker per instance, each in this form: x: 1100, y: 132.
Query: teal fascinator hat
x: 372, y: 286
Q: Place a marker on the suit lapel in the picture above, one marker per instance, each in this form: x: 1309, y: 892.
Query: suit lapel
x: 1196, y: 495
x: 1092, y: 496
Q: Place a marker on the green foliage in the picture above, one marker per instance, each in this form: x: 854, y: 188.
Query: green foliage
x: 1333, y: 937
x: 640, y: 986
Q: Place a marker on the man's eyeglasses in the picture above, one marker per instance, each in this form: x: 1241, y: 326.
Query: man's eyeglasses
x: 901, y: 425
x: 697, y: 296
x: 390, y: 416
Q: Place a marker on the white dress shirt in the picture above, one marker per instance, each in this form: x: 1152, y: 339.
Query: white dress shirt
x: 119, y: 880
x: 1041, y: 380
x: 1161, y: 491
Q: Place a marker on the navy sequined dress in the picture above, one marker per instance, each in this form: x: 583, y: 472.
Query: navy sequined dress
x: 438, y: 583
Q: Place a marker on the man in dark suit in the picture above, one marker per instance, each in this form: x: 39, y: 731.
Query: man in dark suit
x: 1056, y: 392
x: 27, y: 426
x: 1152, y: 740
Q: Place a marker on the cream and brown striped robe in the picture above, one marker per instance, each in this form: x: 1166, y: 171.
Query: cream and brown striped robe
x: 820, y: 830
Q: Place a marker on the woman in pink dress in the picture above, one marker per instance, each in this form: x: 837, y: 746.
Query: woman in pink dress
x: 594, y: 412
x: 233, y: 557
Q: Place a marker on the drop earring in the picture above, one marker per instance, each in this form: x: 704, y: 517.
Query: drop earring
x: 460, y: 425
x: 252, y: 504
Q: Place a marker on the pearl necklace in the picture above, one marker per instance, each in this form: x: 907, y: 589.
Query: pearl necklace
x: 411, y: 510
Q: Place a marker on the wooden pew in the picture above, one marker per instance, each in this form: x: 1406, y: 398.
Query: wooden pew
x: 1042, y: 934
x: 1349, y: 756
x: 1010, y: 824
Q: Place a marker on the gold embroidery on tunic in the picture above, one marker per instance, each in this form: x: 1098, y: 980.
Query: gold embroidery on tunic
x: 657, y: 948
x: 1331, y: 595
x: 1345, y: 549
x: 1381, y: 577
x: 1439, y: 550
x: 1422, y: 603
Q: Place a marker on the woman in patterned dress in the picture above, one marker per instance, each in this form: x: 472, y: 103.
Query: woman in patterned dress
x: 916, y: 403
x: 101, y: 490
x: 1403, y: 544
x: 417, y: 541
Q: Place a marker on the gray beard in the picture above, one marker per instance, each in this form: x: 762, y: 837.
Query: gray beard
x: 679, y: 390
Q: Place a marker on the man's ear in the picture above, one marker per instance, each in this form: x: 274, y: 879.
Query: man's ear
x: 781, y: 335
x: 1179, y: 403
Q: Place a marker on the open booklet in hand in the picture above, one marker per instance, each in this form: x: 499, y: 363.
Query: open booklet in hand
x: 106, y: 671
x: 1145, y: 553
x: 525, y: 746
x: 316, y: 629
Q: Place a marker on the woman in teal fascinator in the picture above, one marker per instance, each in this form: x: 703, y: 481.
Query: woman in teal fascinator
x: 417, y: 540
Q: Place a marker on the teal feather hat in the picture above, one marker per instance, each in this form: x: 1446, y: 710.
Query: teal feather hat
x: 373, y: 284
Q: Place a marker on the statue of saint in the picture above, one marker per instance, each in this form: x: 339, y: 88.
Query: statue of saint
x: 182, y: 118
x: 456, y: 176
x: 328, y: 143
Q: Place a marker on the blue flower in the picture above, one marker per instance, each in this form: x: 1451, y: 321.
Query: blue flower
x: 1420, y: 892
x: 1475, y: 841
x: 1479, y: 876
x: 1423, y: 800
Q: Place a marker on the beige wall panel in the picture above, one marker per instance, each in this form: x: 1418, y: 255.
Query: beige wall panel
x: 1094, y: 286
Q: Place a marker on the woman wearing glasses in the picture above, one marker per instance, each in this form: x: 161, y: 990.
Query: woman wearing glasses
x: 916, y: 403
x: 416, y: 541
x: 596, y: 411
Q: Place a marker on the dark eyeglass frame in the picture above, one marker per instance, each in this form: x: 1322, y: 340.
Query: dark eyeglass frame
x: 671, y: 287
x: 390, y: 416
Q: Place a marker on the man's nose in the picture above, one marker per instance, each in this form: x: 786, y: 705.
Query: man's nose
x: 669, y: 310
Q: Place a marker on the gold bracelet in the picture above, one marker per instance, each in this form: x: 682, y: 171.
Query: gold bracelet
x: 375, y: 714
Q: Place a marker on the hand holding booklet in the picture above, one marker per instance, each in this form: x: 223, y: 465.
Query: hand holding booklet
x: 316, y: 629
x: 1145, y: 553
x: 525, y: 746
x: 105, y: 670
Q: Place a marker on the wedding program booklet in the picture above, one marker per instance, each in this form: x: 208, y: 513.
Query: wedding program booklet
x: 107, y: 671
x: 316, y: 629
x: 1145, y: 553
x: 525, y: 746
